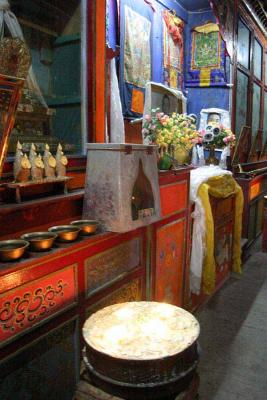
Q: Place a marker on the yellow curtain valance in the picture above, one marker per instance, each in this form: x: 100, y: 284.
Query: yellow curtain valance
x: 207, y: 28
x: 220, y: 187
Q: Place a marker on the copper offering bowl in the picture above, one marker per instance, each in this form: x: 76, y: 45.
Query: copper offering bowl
x: 11, y: 250
x: 87, y: 226
x: 40, y: 241
x: 65, y: 233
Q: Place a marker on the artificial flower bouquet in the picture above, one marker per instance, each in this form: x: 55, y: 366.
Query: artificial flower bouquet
x: 217, y: 136
x: 170, y: 133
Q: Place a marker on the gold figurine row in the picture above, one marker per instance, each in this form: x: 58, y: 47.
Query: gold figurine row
x: 36, y: 167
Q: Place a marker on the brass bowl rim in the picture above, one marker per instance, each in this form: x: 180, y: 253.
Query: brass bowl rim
x: 85, y: 222
x: 63, y: 228
x: 24, y: 244
x: 27, y: 236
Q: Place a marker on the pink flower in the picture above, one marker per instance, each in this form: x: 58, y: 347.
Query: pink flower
x: 226, y: 139
x: 159, y: 115
x: 148, y: 118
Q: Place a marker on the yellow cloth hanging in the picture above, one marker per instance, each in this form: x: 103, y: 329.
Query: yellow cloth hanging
x: 204, y: 78
x: 220, y: 187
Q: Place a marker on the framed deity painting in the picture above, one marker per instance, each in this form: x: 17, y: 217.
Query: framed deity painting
x: 10, y: 90
x: 15, y: 61
x: 207, y: 57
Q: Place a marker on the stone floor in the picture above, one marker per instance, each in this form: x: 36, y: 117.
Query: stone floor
x: 233, y: 336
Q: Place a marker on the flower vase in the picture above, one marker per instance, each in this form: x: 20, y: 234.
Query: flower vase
x: 181, y: 155
x: 212, y: 160
x: 164, y: 162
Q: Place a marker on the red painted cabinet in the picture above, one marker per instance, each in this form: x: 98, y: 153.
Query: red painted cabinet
x: 46, y: 297
x: 170, y: 239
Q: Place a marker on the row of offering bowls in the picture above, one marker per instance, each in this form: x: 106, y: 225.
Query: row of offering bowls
x: 11, y: 250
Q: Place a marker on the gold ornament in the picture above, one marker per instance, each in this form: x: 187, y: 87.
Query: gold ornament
x: 39, y: 162
x: 52, y: 162
x: 64, y: 160
x: 25, y: 163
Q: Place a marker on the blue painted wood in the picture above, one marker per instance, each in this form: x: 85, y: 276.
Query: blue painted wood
x: 174, y: 5
x: 194, y: 5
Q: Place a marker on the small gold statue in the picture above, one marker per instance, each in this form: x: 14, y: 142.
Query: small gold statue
x: 49, y: 163
x: 24, y: 172
x: 32, y: 158
x: 17, y: 160
x: 62, y: 161
x: 38, y: 169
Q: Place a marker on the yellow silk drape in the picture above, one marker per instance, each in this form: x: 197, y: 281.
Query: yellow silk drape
x: 220, y: 187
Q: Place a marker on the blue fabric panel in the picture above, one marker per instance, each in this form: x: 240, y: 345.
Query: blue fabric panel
x: 157, y: 49
x: 198, y: 98
x: 112, y: 23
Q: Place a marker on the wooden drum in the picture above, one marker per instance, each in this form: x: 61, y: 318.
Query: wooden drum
x: 141, y: 350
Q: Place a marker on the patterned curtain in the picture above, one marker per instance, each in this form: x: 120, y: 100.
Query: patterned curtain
x: 224, y: 12
x: 173, y: 50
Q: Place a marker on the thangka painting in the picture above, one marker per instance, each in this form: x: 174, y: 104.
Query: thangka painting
x: 135, y: 55
x: 207, y: 62
x: 173, y: 48
x: 137, y: 59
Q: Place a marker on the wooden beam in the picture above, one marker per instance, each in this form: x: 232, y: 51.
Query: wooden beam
x: 100, y: 71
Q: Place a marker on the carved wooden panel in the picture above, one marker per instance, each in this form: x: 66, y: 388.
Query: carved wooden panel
x: 222, y: 209
x: 169, y: 262
x: 110, y: 265
x: 30, y: 304
x: 173, y: 198
x: 131, y: 291
x: 48, y: 368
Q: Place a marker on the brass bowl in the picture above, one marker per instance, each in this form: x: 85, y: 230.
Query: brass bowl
x: 87, y: 226
x: 11, y: 250
x: 40, y: 241
x: 65, y: 233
